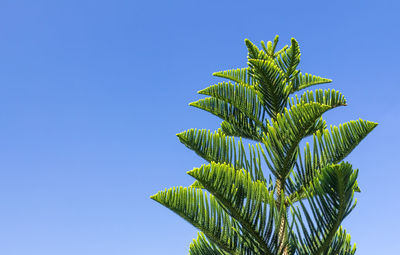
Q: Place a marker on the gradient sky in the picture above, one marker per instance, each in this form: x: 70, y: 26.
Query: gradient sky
x: 92, y: 94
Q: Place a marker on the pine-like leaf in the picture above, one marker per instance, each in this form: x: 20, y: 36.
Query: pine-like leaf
x: 270, y: 48
x: 330, y: 200
x: 302, y: 81
x: 241, y: 97
x: 329, y: 97
x: 239, y: 75
x: 271, y: 85
x: 330, y: 147
x: 253, y: 51
x: 285, y: 133
x: 250, y: 203
x: 203, y: 212
x: 289, y: 59
x: 335, y: 145
x: 201, y: 246
x: 220, y: 148
x: 247, y: 127
x: 341, y: 244
x: 281, y: 51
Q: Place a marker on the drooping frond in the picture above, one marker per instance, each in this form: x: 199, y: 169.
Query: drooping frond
x: 288, y: 60
x: 215, y: 146
x: 250, y: 203
x: 341, y: 244
x: 241, y: 97
x: 286, y: 132
x: 330, y: 201
x: 229, y: 129
x: 246, y: 126
x: 220, y: 148
x: 335, y: 145
x: 302, y: 81
x: 203, y: 212
x: 201, y: 246
x: 239, y: 75
x: 329, y: 147
x: 327, y: 97
x: 271, y: 85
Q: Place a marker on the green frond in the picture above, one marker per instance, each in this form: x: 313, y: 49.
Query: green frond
x: 203, y: 212
x: 201, y: 246
x: 329, y: 147
x: 197, y: 185
x: 335, y: 145
x: 229, y: 129
x: 281, y: 51
x: 250, y: 203
x: 330, y: 200
x: 270, y: 84
x: 245, y: 125
x: 302, y: 81
x: 329, y: 97
x: 252, y: 49
x: 241, y: 97
x: 285, y: 133
x: 289, y: 59
x: 341, y: 244
x: 319, y: 124
x: 220, y: 148
x: 270, y: 48
x: 215, y: 146
x: 239, y: 75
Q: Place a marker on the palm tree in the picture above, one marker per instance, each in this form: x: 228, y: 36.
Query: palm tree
x: 299, y: 206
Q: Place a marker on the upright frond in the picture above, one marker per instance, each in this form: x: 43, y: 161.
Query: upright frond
x: 286, y: 132
x: 271, y: 85
x: 252, y: 49
x: 289, y: 59
x: 270, y: 48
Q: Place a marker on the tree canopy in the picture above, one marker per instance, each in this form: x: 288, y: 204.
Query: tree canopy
x: 270, y: 196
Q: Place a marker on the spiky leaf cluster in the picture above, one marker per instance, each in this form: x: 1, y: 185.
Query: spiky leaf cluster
x: 270, y: 196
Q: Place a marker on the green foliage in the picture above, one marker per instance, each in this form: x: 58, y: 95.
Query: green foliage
x: 270, y: 196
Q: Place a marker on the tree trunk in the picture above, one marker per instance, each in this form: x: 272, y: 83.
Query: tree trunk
x: 282, y: 235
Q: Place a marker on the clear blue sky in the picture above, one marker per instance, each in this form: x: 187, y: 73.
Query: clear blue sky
x: 92, y: 94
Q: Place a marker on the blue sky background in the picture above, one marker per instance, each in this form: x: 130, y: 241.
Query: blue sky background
x: 92, y: 94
